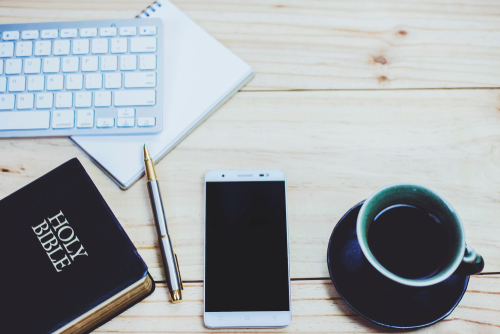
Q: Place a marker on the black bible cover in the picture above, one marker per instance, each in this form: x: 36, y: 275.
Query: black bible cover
x: 62, y: 252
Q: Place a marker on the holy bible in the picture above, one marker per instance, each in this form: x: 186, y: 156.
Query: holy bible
x: 67, y: 265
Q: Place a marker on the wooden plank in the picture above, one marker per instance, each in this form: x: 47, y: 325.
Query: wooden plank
x: 336, y: 148
x: 328, y: 45
x: 316, y: 307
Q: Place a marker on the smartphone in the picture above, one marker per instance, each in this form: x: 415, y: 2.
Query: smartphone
x: 247, y: 265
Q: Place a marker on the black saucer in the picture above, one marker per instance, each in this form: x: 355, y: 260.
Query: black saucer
x: 379, y: 299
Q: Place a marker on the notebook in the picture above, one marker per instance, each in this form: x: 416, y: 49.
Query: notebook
x: 200, y: 75
x: 67, y: 264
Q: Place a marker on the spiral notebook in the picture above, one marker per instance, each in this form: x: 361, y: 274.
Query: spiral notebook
x: 200, y: 75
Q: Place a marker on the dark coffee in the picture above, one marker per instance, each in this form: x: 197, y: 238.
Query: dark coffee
x: 408, y: 241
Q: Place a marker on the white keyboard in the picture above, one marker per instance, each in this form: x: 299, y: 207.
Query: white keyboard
x: 81, y: 78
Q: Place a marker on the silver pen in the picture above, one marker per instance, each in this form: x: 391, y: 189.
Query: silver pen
x: 170, y: 263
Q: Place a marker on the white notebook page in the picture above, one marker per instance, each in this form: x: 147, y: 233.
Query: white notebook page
x: 200, y: 73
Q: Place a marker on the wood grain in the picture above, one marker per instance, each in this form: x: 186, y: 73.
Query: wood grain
x: 336, y: 148
x: 316, y: 308
x: 294, y: 45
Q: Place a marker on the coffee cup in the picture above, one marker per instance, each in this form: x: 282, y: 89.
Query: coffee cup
x: 414, y: 237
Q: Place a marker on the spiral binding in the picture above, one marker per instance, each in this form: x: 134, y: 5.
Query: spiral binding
x: 153, y: 8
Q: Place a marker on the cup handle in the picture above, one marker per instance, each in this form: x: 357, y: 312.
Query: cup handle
x: 472, y: 263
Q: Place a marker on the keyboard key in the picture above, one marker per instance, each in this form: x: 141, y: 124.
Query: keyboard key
x: 143, y: 44
x: 24, y: 49
x: 25, y: 101
x: 93, y: 81
x: 149, y: 30
x: 109, y: 63
x: 147, y: 62
x: 44, y: 100
x: 89, y: 64
x: 6, y: 49
x: 102, y: 99
x: 63, y: 119
x: 106, y: 32
x: 64, y: 100
x: 61, y: 47
x: 10, y: 35
x: 36, y: 83
x: 29, y: 34
x: 105, y: 122
x: 128, y: 63
x: 74, y: 81
x: 43, y: 48
x: 88, y: 32
x: 24, y: 120
x: 3, y: 84
x: 70, y: 64
x: 125, y: 112
x: 50, y: 65
x: 49, y: 33
x: 69, y: 33
x: 55, y: 82
x: 83, y: 99
x: 146, y: 121
x: 13, y: 66
x: 118, y: 45
x: 81, y: 46
x: 142, y: 97
x: 100, y: 45
x: 128, y: 31
x: 6, y: 102
x: 125, y: 122
x: 17, y: 83
x: 113, y: 80
x: 85, y: 118
x: 140, y: 80
x: 32, y: 65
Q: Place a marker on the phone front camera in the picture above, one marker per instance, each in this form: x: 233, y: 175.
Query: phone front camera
x: 223, y: 175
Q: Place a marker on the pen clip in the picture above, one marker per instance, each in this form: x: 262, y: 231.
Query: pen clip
x: 179, y: 270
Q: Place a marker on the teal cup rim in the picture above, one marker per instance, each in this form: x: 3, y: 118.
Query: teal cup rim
x: 419, y: 196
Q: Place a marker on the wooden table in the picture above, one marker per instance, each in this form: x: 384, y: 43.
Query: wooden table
x: 348, y: 96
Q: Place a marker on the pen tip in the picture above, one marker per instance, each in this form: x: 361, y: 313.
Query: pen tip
x: 146, y: 153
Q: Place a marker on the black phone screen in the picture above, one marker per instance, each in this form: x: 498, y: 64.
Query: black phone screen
x: 246, y: 255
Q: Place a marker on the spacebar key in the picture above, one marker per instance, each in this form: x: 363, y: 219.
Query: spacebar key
x: 139, y: 97
x: 24, y: 120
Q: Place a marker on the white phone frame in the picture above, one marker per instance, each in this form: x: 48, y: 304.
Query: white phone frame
x: 260, y: 319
